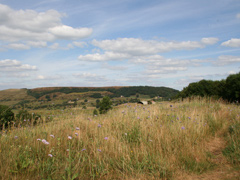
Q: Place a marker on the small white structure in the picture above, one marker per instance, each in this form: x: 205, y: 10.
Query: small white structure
x: 143, y: 102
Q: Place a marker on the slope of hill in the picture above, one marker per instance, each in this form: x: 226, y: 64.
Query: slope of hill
x: 47, y: 97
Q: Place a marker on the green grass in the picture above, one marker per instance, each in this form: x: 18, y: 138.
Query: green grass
x: 131, y: 141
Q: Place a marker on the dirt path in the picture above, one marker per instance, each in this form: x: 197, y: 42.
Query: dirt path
x: 223, y: 169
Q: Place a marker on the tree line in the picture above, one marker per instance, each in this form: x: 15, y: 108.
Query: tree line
x: 227, y: 89
x: 115, y: 92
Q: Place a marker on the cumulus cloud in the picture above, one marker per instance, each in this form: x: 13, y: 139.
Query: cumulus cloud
x: 146, y: 53
x: 136, y: 46
x: 14, y: 65
x: 18, y: 46
x: 209, y: 41
x: 67, y: 32
x: 39, y: 44
x: 226, y: 60
x: 234, y: 42
x: 107, y: 56
x: 39, y: 27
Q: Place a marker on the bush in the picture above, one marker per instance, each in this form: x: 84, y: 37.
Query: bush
x: 24, y: 116
x: 6, y: 116
x: 105, y: 104
x: 95, y: 112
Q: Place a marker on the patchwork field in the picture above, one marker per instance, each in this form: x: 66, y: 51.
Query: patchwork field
x: 197, y: 139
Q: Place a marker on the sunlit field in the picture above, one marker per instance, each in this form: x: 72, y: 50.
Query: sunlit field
x: 169, y: 140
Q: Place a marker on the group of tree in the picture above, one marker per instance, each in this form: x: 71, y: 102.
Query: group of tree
x: 23, y: 117
x: 113, y: 91
x: 227, y: 89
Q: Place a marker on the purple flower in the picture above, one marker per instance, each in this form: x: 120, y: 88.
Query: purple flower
x: 76, y: 134
x: 15, y: 137
x: 83, y: 150
x: 99, y: 150
x: 99, y: 125
x: 183, y: 127
x: 69, y: 137
x: 106, y: 138
x: 45, y: 142
x: 52, y: 136
x: 38, y: 139
x: 77, y: 128
x: 50, y: 155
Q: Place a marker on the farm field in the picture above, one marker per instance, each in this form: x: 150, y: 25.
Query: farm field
x: 197, y: 139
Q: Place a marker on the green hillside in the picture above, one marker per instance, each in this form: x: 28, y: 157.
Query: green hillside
x: 59, y: 97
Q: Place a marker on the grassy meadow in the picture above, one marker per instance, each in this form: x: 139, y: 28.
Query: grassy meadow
x: 169, y: 140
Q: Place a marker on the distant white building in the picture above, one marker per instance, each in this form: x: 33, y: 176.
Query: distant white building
x: 143, y: 102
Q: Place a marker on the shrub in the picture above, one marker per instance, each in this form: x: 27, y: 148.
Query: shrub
x: 105, y: 105
x: 6, y: 116
x: 25, y: 116
x: 95, y: 112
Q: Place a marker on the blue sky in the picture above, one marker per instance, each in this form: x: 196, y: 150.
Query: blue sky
x: 117, y: 42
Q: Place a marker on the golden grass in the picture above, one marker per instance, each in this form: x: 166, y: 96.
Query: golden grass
x: 129, y: 142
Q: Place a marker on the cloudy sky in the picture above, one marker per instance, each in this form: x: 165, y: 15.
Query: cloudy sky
x: 97, y: 43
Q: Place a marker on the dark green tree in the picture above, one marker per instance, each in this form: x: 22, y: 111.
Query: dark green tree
x: 232, y: 88
x: 6, y: 116
x: 105, y: 104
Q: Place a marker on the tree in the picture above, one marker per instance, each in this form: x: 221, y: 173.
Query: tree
x: 105, y: 104
x: 6, y: 116
x: 232, y: 87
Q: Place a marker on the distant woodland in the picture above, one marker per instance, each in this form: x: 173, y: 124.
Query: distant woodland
x: 113, y: 91
x: 227, y: 89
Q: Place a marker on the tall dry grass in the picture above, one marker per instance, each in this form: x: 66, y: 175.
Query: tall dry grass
x: 131, y: 141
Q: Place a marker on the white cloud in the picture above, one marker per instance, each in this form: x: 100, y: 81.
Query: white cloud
x: 39, y: 44
x: 226, y: 60
x: 107, y: 56
x: 28, y: 26
x: 67, y: 32
x: 135, y: 46
x: 53, y: 77
x: 234, y: 42
x: 209, y: 41
x: 9, y: 63
x: 14, y: 65
x: 18, y: 46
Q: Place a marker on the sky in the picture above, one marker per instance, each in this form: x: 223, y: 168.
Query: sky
x: 97, y: 43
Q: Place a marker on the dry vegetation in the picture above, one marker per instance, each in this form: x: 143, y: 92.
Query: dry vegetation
x: 162, y: 141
